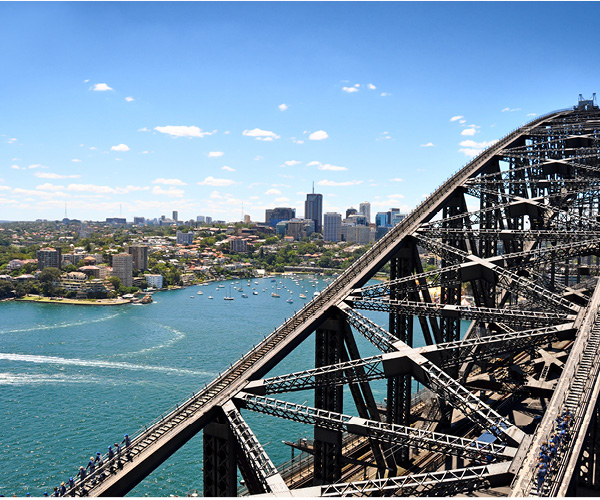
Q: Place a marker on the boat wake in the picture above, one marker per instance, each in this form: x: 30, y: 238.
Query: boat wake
x: 110, y: 365
x: 61, y: 325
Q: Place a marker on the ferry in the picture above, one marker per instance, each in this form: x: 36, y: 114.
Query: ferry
x: 147, y: 299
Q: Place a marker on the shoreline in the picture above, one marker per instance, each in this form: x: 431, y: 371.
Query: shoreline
x: 73, y: 302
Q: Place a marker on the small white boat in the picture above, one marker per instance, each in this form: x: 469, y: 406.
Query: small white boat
x: 200, y: 293
x: 244, y: 296
x: 192, y: 297
x: 210, y: 296
x: 290, y: 301
x: 274, y: 295
x: 254, y: 293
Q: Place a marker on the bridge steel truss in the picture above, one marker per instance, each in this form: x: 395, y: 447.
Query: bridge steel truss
x: 503, y: 332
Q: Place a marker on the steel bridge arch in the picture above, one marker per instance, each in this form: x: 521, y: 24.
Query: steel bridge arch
x: 533, y: 342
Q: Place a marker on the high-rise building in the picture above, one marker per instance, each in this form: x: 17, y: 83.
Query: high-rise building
x: 139, y: 255
x: 185, y: 238
x: 332, y: 226
x: 313, y: 209
x: 278, y: 214
x: 49, y: 257
x: 175, y: 216
x: 200, y: 218
x: 247, y: 219
x: 208, y: 220
x: 365, y: 209
x: 122, y: 264
x: 351, y: 211
x: 139, y: 220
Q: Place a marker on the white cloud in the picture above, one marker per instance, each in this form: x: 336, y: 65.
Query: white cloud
x: 49, y: 175
x: 92, y: 188
x: 129, y: 99
x: 313, y: 163
x: 325, y: 182
x: 468, y: 131
x: 472, y: 148
x: 101, y: 87
x: 349, y: 89
x: 258, y: 133
x: 335, y: 168
x: 428, y: 145
x: 531, y: 114
x: 462, y: 122
x: 4, y: 188
x: 227, y: 169
x: 49, y: 187
x: 283, y: 107
x: 11, y: 140
x: 181, y: 131
x: 120, y: 147
x: 470, y: 151
x: 211, y: 181
x: 319, y: 135
x: 396, y: 179
x: 76, y: 160
x: 215, y: 154
x: 511, y: 110
x: 455, y: 118
x: 371, y: 86
x: 143, y: 129
x: 265, y: 139
x: 297, y: 141
x: 15, y: 167
x: 169, y: 182
x: 384, y: 94
x: 291, y: 163
x: 272, y: 191
x: 173, y: 192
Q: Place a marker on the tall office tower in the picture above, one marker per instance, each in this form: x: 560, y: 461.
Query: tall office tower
x: 208, y: 220
x: 351, y: 211
x: 200, y: 218
x: 332, y: 226
x: 175, y: 216
x: 313, y: 209
x: 49, y: 257
x: 139, y: 220
x: 122, y: 264
x: 139, y: 255
x: 365, y: 209
x: 278, y: 214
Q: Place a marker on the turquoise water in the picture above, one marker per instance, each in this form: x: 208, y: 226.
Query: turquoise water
x: 74, y: 379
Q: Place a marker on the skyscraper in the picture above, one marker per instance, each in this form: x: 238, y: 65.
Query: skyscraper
x: 175, y: 216
x: 49, y: 257
x: 122, y: 268
x: 365, y: 209
x: 332, y: 226
x: 139, y: 255
x: 313, y: 209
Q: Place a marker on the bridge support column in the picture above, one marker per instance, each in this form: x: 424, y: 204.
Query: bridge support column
x: 220, y: 470
x: 327, y: 443
x: 401, y: 326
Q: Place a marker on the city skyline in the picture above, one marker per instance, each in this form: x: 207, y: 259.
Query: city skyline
x: 225, y: 109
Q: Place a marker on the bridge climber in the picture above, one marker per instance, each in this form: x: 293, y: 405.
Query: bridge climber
x: 519, y: 228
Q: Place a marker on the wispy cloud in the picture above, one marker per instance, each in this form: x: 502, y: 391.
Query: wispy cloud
x: 456, y: 118
x: 169, y: 182
x: 173, y: 192
x: 428, y: 145
x: 129, y: 99
x: 211, y: 181
x: 371, y: 86
x: 290, y: 163
x: 510, y: 110
x: 101, y: 87
x: 468, y: 131
x: 49, y: 175
x: 272, y: 192
x: 261, y: 134
x: 215, y: 154
x: 227, y: 169
x: 396, y: 179
x: 319, y: 135
x: 182, y: 131
x: 349, y: 90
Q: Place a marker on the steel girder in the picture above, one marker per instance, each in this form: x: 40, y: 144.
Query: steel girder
x: 507, y: 316
x: 262, y: 467
x: 471, y: 449
x: 442, y: 483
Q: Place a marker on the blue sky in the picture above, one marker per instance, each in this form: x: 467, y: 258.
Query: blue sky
x: 138, y: 109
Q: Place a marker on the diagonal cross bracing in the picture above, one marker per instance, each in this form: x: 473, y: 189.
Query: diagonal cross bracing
x: 483, y: 314
x: 440, y: 483
x: 438, y: 381
x: 256, y: 456
x: 379, y: 337
x: 380, y: 431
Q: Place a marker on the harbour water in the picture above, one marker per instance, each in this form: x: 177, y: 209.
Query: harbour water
x: 75, y: 379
